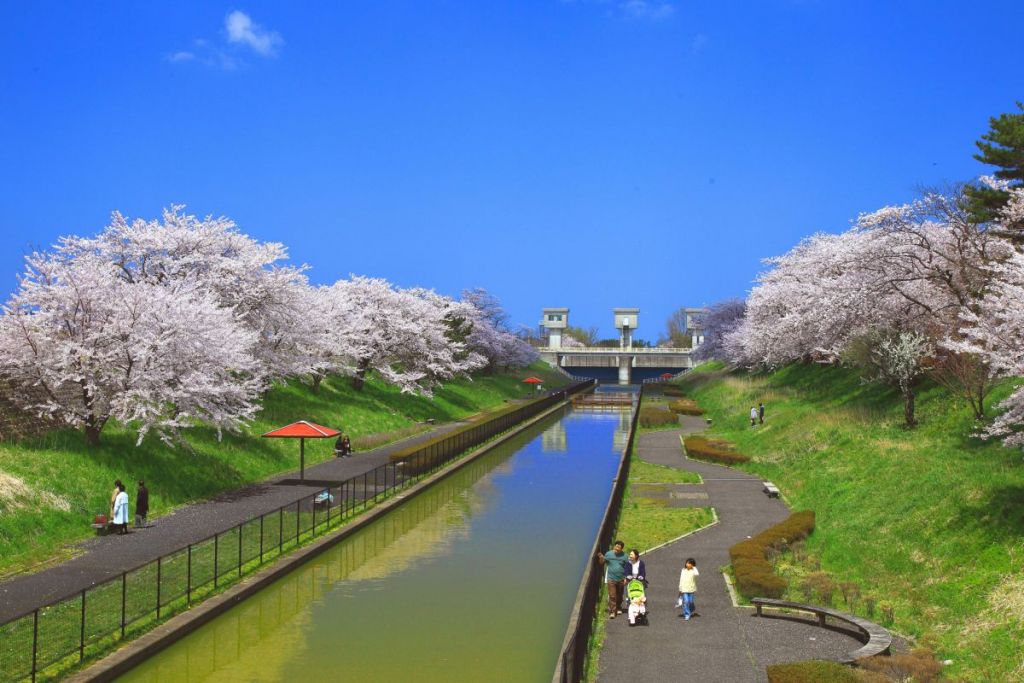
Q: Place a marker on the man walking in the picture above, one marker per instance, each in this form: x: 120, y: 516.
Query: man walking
x: 141, y: 505
x: 760, y: 412
x: 614, y: 562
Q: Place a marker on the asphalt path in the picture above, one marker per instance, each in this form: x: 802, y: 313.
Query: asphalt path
x: 724, y: 643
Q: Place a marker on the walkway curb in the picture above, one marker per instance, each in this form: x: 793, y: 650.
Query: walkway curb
x: 136, y: 651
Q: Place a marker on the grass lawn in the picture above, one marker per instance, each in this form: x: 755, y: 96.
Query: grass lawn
x: 51, y: 487
x: 929, y: 520
x: 641, y: 472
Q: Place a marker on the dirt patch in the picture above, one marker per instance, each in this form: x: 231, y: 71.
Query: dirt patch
x: 15, y: 494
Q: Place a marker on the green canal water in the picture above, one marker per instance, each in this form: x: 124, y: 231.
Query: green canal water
x: 473, y: 580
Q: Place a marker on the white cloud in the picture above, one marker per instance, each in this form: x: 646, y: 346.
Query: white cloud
x: 242, y: 35
x: 648, y: 9
x: 241, y: 29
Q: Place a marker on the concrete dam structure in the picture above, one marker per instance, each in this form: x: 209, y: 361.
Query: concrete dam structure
x: 625, y: 364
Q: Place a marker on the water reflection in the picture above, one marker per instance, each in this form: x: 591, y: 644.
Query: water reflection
x: 435, y: 590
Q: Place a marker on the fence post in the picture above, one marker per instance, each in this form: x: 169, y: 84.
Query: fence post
x: 188, y: 580
x: 240, y: 549
x: 328, y: 522
x: 280, y: 530
x: 81, y: 633
x: 261, y: 538
x: 314, y: 516
x: 158, y: 572
x: 35, y: 641
x: 124, y: 597
x: 298, y: 522
x: 216, y: 558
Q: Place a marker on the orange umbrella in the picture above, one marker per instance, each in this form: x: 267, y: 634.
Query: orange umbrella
x: 302, y: 430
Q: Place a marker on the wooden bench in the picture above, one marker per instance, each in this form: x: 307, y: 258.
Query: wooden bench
x: 771, y: 489
x: 101, y: 529
x: 877, y: 640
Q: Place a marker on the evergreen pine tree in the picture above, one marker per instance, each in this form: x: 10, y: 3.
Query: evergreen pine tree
x: 1002, y: 146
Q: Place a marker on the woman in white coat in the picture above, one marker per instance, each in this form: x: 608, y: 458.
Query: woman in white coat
x: 121, y: 509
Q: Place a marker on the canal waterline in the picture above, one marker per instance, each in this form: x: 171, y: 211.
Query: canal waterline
x: 472, y: 580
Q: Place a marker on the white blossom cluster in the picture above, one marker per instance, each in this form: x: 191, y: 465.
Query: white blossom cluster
x: 168, y: 323
x: 907, y: 290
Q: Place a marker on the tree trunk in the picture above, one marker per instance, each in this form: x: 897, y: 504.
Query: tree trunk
x: 908, y: 408
x: 359, y: 379
x: 317, y: 379
x: 92, y: 435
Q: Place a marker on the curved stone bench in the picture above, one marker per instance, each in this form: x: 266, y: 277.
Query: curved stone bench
x: 877, y: 640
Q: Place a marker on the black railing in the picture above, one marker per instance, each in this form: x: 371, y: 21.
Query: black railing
x: 67, y: 629
x: 573, y: 658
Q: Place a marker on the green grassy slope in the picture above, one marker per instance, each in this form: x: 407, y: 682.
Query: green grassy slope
x: 51, y: 487
x: 931, y: 520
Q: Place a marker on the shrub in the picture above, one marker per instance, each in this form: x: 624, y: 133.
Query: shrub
x: 811, y: 672
x: 685, y: 406
x: 919, y: 665
x: 655, y: 416
x: 702, y: 448
x: 754, y: 575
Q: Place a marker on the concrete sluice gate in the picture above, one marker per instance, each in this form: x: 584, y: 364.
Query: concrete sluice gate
x: 473, y: 580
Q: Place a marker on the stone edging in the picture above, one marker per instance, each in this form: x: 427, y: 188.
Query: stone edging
x: 145, y: 646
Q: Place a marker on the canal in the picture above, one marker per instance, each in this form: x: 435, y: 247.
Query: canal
x: 473, y: 580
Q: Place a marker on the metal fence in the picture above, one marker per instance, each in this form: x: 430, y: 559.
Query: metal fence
x: 574, y: 656
x: 64, y: 631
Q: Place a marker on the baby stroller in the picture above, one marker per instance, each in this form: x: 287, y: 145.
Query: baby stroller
x: 637, y: 602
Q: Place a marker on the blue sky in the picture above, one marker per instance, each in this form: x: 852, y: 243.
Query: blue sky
x: 580, y: 153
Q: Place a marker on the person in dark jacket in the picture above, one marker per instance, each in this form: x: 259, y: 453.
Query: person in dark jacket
x: 141, y: 505
x: 635, y: 569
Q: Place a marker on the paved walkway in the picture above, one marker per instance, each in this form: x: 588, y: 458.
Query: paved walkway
x: 108, y: 556
x: 724, y: 643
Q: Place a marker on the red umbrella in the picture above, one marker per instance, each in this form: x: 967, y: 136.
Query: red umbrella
x: 667, y: 375
x: 533, y: 380
x: 302, y: 430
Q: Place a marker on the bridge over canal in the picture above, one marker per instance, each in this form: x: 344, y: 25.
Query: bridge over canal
x: 625, y: 364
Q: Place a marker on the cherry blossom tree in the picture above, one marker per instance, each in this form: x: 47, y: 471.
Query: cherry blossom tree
x: 212, y: 254
x: 91, y: 346
x: 490, y: 336
x: 995, y: 329
x: 722, y: 318
x: 403, y: 335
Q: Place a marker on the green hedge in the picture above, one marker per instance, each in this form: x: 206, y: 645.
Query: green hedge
x: 656, y: 416
x: 755, y: 577
x: 702, y: 448
x: 685, y: 406
x: 811, y: 672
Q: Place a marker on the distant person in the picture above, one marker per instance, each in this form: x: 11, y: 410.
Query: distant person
x: 342, y: 446
x: 118, y: 487
x: 141, y: 505
x: 121, y: 509
x: 760, y: 412
x: 614, y: 562
x: 346, y: 445
x: 687, y: 587
x: 753, y: 416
